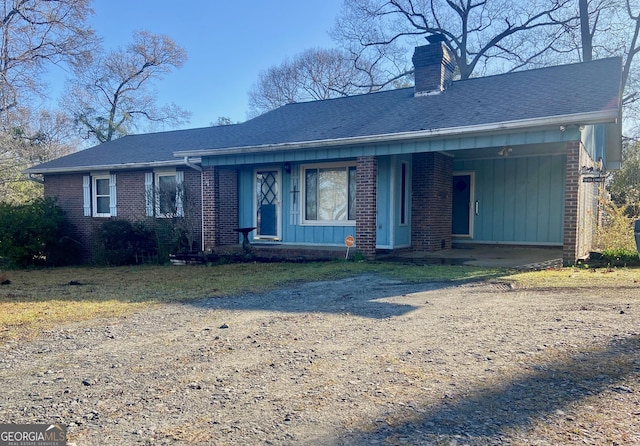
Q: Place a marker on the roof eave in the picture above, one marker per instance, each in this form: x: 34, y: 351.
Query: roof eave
x: 99, y: 167
x: 598, y: 117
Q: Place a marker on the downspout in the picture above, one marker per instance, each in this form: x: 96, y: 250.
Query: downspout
x: 190, y: 164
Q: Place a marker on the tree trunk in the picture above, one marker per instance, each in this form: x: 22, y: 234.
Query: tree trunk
x: 585, y: 32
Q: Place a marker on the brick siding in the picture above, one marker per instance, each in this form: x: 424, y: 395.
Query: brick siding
x: 366, y: 191
x: 130, y: 189
x: 219, y: 207
x: 581, y: 206
x: 431, y: 209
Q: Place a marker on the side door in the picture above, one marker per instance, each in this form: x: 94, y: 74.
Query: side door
x: 463, y: 204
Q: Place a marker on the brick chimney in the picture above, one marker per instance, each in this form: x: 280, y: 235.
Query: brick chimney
x: 434, y: 67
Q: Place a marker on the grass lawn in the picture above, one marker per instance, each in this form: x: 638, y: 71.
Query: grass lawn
x: 42, y: 298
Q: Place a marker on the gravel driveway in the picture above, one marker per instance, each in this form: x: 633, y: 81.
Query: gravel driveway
x: 361, y: 361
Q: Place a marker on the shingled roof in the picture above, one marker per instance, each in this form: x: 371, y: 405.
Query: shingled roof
x: 585, y: 93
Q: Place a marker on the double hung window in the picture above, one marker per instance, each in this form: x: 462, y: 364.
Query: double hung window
x: 99, y: 193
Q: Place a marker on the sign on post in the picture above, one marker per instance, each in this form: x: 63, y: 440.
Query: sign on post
x: 349, y: 242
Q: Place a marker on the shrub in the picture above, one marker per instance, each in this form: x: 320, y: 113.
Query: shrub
x: 35, y: 234
x: 171, y: 237
x: 119, y: 242
x: 615, y: 237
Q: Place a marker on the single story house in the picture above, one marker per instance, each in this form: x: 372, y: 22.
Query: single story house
x: 509, y: 159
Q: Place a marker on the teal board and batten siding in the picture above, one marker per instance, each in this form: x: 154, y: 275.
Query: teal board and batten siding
x: 389, y: 230
x: 292, y: 231
x: 384, y: 202
x: 501, y: 139
x: 520, y: 212
x: 520, y: 200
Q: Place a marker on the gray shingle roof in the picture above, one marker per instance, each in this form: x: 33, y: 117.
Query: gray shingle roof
x: 563, y: 90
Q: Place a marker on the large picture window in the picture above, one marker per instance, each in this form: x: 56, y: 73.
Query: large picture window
x: 330, y: 194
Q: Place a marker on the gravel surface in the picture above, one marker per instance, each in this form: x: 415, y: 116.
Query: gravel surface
x: 362, y: 361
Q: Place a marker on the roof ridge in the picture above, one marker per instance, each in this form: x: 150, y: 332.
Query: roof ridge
x: 549, y: 67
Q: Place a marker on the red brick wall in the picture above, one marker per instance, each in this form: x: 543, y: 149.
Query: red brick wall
x: 366, y: 212
x: 67, y: 189
x: 131, y: 203
x: 228, y: 206
x: 581, y: 206
x: 220, y: 207
x: 131, y: 195
x: 431, y: 207
x: 192, y: 206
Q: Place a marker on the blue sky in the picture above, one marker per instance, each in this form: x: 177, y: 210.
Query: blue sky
x: 228, y: 43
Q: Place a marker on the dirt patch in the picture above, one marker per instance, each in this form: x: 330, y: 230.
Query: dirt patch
x: 361, y: 361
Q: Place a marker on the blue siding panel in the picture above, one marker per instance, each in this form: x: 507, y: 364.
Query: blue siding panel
x: 402, y: 233
x: 386, y: 149
x: 383, y: 202
x: 245, y: 196
x: 521, y: 199
x: 510, y: 201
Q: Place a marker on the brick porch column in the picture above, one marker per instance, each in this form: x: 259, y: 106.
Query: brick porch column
x: 219, y: 207
x: 571, y: 194
x: 580, y: 206
x: 366, y: 192
x: 431, y: 209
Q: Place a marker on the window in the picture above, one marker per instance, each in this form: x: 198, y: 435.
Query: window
x: 101, y: 198
x: 404, y: 194
x: 100, y: 195
x: 330, y: 194
x: 164, y: 194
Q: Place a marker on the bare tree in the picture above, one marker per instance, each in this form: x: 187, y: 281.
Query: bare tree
x: 499, y: 35
x: 312, y: 75
x: 113, y: 96
x: 35, y: 33
x: 629, y: 75
x: 36, y: 137
x: 585, y: 31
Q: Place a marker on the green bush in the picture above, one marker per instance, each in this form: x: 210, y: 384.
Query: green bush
x: 171, y: 237
x: 35, y: 234
x: 119, y: 242
x: 615, y: 238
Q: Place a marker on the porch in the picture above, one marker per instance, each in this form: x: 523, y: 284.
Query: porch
x: 517, y: 257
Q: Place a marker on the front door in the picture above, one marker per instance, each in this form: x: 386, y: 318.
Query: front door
x: 463, y: 206
x: 268, y: 204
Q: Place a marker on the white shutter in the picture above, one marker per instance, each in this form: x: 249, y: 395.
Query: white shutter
x: 113, y: 201
x: 148, y: 193
x: 86, y: 195
x: 179, y: 193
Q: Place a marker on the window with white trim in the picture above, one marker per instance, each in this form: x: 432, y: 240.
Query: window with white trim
x: 329, y: 194
x: 164, y: 194
x: 99, y: 194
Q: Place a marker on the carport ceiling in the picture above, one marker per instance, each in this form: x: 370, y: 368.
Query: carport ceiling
x: 525, y: 150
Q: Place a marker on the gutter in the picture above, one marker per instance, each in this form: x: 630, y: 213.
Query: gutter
x: 598, y: 117
x: 99, y: 167
x: 193, y: 166
x: 34, y: 179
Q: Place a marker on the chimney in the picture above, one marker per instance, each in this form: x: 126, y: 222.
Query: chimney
x: 434, y: 67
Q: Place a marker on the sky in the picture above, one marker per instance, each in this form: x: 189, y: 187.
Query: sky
x: 228, y: 43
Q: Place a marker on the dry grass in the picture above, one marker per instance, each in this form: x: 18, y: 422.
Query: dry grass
x: 577, y: 277
x: 38, y: 299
